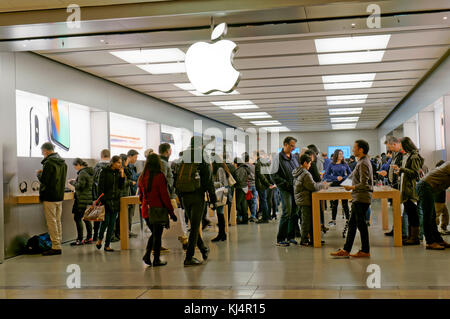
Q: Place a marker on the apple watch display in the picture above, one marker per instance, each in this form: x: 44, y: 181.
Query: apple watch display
x: 59, y: 123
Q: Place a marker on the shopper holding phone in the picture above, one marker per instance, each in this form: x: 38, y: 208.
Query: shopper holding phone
x: 111, y: 184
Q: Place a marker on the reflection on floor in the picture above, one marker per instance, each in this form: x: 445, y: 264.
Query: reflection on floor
x: 248, y: 265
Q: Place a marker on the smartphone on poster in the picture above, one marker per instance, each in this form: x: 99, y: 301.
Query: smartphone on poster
x: 38, y: 131
x: 59, y: 126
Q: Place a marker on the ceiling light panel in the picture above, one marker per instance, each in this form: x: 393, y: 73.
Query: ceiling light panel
x: 276, y: 128
x: 343, y: 126
x: 345, y: 111
x: 185, y: 86
x: 150, y: 55
x: 238, y: 102
x: 345, y: 102
x: 196, y: 93
x: 347, y: 85
x: 347, y: 97
x: 239, y: 107
x: 253, y: 115
x: 350, y: 57
x: 265, y: 123
x: 359, y: 43
x: 344, y: 119
x: 163, y: 68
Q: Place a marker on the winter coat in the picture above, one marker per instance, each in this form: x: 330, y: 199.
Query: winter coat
x: 126, y: 188
x: 285, y: 166
x: 52, y: 179
x: 410, y: 176
x: 261, y: 180
x: 83, y: 188
x: 304, y: 185
x: 134, y: 176
x: 112, y: 185
x: 97, y: 170
x: 242, y: 176
x: 158, y: 196
x: 220, y: 178
x: 362, y: 179
x: 167, y: 171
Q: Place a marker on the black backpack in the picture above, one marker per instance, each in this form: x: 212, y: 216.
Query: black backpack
x: 38, y: 244
x: 188, y: 178
x: 96, y: 179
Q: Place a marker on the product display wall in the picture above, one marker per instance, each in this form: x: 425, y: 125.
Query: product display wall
x: 42, y: 119
x: 127, y: 133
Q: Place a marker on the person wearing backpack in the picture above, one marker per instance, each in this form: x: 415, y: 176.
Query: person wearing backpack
x: 105, y: 158
x: 83, y: 198
x: 242, y: 176
x: 194, y: 179
x: 154, y: 194
x: 52, y: 180
x: 112, y: 183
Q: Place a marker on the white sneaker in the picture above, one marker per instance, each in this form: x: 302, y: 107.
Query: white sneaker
x: 332, y: 223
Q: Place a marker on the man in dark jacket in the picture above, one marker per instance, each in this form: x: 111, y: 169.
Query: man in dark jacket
x: 242, y: 173
x: 132, y: 159
x: 53, y: 180
x: 286, y: 164
x: 194, y: 201
x: 263, y: 184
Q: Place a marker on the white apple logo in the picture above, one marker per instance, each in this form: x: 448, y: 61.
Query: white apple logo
x: 210, y: 67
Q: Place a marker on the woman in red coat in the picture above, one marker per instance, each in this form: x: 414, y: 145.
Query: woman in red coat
x: 153, y: 193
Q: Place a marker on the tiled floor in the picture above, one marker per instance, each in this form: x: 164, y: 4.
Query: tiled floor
x: 248, y: 265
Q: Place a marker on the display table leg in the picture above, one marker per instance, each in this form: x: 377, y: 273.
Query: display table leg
x: 124, y: 225
x: 316, y: 222
x: 397, y: 220
x: 233, y: 211
x: 225, y: 215
x: 384, y: 213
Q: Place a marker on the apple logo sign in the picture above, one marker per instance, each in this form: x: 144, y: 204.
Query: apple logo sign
x: 209, y: 66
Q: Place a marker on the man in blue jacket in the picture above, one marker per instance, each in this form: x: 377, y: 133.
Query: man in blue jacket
x: 283, y: 178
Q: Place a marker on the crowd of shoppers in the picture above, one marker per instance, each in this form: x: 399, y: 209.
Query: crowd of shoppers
x: 192, y: 186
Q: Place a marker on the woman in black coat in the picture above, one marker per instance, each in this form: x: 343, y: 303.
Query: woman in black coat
x: 111, y: 184
x: 83, y: 198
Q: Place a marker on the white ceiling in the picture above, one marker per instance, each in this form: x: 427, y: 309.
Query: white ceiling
x: 283, y: 77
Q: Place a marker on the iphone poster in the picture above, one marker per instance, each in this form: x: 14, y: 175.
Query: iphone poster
x: 43, y: 119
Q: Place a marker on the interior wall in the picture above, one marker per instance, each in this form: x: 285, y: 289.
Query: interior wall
x: 331, y: 138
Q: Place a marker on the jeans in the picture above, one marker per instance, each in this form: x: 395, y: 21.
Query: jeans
x: 154, y: 242
x: 194, y: 204
x: 252, y: 202
x: 426, y: 204
x: 96, y: 229
x: 334, y: 207
x: 78, y: 218
x: 411, y: 210
x: 286, y: 229
x: 307, y: 228
x: 241, y: 206
x: 358, y: 221
x: 273, y: 201
x: 264, y: 209
x: 369, y: 212
x: 109, y: 222
x: 130, y: 216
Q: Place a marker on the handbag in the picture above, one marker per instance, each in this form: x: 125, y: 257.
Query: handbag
x: 231, y: 180
x: 221, y: 195
x: 95, y: 212
x: 158, y: 215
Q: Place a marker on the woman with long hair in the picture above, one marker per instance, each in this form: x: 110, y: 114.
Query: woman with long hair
x: 111, y: 184
x: 337, y: 171
x: 153, y: 193
x: 409, y: 176
x: 220, y: 181
x: 83, y: 198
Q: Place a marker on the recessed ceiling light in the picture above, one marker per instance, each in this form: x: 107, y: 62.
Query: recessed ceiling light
x: 347, y: 85
x: 253, y: 115
x: 348, y: 77
x: 150, y: 55
x: 346, y: 102
x: 239, y: 107
x: 238, y: 102
x: 345, y: 111
x: 347, y: 97
x: 344, y: 119
x: 265, y: 122
x: 163, y: 68
x: 350, y: 57
x: 275, y: 128
x: 185, y: 86
x: 196, y: 93
x: 445, y: 18
x: 343, y: 126
x: 359, y: 43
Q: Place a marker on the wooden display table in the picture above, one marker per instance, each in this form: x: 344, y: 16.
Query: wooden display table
x: 380, y: 192
x: 34, y: 199
x: 124, y: 233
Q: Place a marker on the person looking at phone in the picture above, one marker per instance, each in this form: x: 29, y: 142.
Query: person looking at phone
x: 83, y: 198
x: 105, y: 158
x: 111, y: 185
x: 51, y: 192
